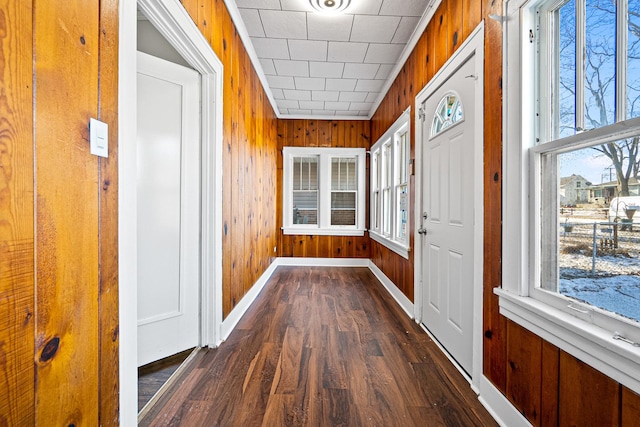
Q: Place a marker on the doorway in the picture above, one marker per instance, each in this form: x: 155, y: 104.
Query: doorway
x: 449, y: 203
x: 173, y: 22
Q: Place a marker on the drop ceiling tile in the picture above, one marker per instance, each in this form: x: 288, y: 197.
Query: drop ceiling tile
x: 344, y: 113
x: 352, y: 97
x: 281, y: 82
x: 258, y: 4
x: 372, y: 97
x: 373, y: 29
x: 271, y: 48
x: 347, y: 52
x: 298, y: 95
x: 384, y: 70
x: 341, y: 84
x: 303, y: 6
x: 324, y: 112
x: 318, y: 95
x: 312, y: 105
x: 299, y: 112
x: 277, y: 93
x: 333, y: 28
x: 284, y: 24
x: 360, y: 71
x: 326, y: 69
x: 306, y: 83
x: 268, y: 67
x: 337, y: 105
x: 292, y: 68
x: 366, y: 7
x: 362, y: 106
x: 369, y: 85
x: 405, y: 29
x: 252, y: 22
x: 284, y: 103
x: 308, y: 50
x: 383, y: 53
x: 403, y: 7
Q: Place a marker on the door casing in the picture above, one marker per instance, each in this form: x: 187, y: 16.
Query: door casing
x: 474, y: 45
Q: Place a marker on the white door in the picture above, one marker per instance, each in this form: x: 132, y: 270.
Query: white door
x: 168, y: 194
x: 448, y: 213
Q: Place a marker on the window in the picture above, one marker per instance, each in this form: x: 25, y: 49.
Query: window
x: 572, y: 92
x: 323, y: 191
x: 390, y: 187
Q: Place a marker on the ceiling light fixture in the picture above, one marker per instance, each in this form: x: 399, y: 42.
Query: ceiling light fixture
x: 330, y: 6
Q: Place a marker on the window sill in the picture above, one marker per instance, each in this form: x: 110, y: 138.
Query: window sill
x: 585, y: 341
x: 396, y: 247
x: 300, y: 231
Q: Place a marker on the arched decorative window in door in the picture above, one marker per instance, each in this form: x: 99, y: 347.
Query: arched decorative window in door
x: 448, y: 113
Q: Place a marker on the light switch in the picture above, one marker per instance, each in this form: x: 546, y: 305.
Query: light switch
x: 99, y: 138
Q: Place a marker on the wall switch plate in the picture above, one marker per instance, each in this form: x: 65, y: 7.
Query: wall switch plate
x: 99, y: 138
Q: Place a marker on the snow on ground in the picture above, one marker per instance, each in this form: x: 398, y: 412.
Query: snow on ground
x: 615, y: 286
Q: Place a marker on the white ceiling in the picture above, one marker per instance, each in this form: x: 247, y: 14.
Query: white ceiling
x: 328, y: 66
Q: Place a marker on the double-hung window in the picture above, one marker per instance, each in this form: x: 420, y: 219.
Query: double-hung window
x: 390, y: 187
x: 324, y: 190
x: 570, y: 273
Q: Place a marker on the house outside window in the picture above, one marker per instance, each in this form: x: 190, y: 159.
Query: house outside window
x: 571, y: 275
x: 390, y: 187
x: 323, y: 191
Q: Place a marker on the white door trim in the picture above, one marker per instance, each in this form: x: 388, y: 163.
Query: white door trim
x: 474, y: 45
x: 174, y: 23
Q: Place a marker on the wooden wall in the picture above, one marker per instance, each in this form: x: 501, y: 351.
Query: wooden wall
x: 547, y: 385
x: 58, y: 214
x: 249, y: 171
x: 321, y: 133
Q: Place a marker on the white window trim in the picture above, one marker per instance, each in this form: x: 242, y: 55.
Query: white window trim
x: 402, y: 124
x: 592, y: 344
x: 324, y: 227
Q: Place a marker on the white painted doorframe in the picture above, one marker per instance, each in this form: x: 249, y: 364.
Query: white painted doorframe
x: 176, y: 26
x: 474, y: 45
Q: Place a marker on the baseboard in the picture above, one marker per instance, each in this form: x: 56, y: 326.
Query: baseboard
x: 324, y: 262
x: 393, y: 290
x: 239, y: 310
x: 499, y: 406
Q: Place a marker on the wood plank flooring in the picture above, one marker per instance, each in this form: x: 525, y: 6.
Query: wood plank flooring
x: 322, y: 347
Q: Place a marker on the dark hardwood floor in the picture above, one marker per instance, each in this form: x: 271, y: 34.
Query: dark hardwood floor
x: 322, y: 347
x: 152, y: 377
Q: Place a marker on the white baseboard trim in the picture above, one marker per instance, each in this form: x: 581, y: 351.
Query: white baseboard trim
x: 324, y: 262
x: 239, y: 310
x: 393, y: 290
x: 499, y: 406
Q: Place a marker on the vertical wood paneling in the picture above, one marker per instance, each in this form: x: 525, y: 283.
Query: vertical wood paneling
x: 17, y: 406
x: 249, y: 157
x: 630, y: 407
x: 524, y: 357
x: 586, y: 397
x: 66, y: 82
x: 550, y: 373
x: 109, y: 357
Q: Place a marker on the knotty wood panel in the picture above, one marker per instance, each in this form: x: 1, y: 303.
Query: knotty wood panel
x: 109, y: 392
x: 249, y: 157
x: 17, y: 406
x: 630, y: 407
x: 586, y: 397
x: 67, y: 335
x: 320, y: 133
x: 524, y: 354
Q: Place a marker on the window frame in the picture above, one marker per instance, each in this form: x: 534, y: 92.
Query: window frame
x: 378, y: 214
x: 325, y: 156
x: 569, y: 328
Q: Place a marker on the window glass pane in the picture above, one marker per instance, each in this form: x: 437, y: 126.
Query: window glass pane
x: 343, y: 208
x: 566, y: 18
x: 343, y: 174
x: 633, y: 60
x: 600, y: 67
x: 305, y: 173
x: 448, y: 112
x: 305, y: 207
x: 386, y: 211
x: 401, y: 214
x: 591, y: 228
x: 402, y: 151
